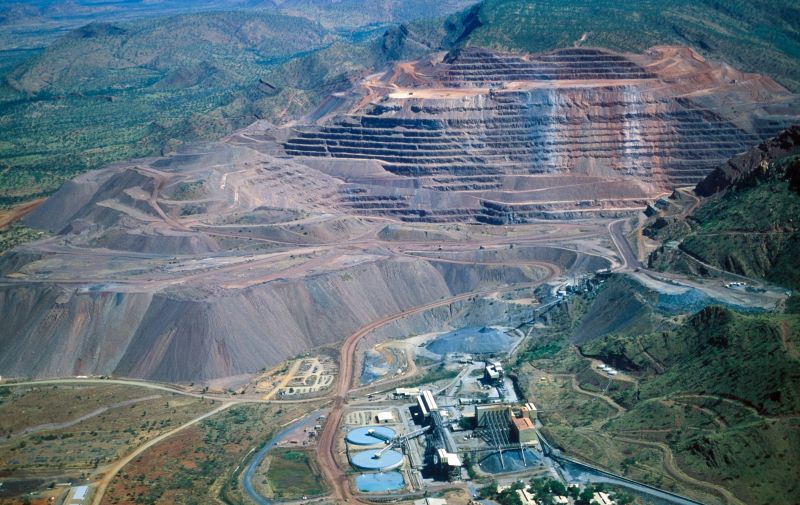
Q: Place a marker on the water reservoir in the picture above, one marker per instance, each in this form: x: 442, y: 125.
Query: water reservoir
x: 380, y: 482
x: 366, y: 460
x: 511, y: 461
x: 370, y: 435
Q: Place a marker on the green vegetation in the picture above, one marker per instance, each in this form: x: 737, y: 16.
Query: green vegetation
x: 292, y: 474
x: 433, y: 374
x: 751, y: 230
x: 759, y: 36
x: 706, y: 400
x: 197, y: 463
x: 141, y: 88
x: 545, y: 489
x: 17, y: 234
x: 62, y: 432
x: 751, y: 359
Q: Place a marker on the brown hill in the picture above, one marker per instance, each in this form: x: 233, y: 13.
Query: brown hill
x: 227, y: 257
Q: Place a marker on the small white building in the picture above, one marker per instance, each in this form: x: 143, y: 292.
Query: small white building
x: 431, y: 501
x: 78, y: 495
x: 385, y: 417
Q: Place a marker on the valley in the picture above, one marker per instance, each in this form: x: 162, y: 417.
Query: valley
x: 390, y: 252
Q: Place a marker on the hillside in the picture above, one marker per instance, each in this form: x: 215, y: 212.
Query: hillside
x: 762, y: 35
x: 705, y: 402
x: 106, y: 92
x: 124, y: 89
x: 734, y: 379
x: 112, y: 91
x: 357, y: 13
x: 713, y: 352
x: 751, y: 229
x: 172, y: 52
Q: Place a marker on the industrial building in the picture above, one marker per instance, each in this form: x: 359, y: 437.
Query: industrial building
x: 493, y: 372
x: 483, y: 412
x: 602, y: 498
x: 430, y: 436
x: 78, y: 495
x: 406, y: 392
x: 385, y: 417
x: 523, y: 430
x: 426, y: 403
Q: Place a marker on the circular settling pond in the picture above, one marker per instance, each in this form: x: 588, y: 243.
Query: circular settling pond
x: 380, y: 482
x: 370, y: 435
x: 366, y: 460
x: 509, y: 461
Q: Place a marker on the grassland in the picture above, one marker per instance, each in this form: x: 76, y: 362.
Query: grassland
x: 197, y: 464
x: 59, y: 432
x: 289, y: 474
x: 708, y: 407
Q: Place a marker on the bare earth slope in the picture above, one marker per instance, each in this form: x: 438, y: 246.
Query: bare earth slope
x: 231, y: 256
x: 221, y: 260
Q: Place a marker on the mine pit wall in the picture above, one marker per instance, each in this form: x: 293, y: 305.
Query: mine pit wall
x: 490, y: 122
x: 482, y: 311
x: 52, y: 331
x: 624, y: 131
x: 635, y: 143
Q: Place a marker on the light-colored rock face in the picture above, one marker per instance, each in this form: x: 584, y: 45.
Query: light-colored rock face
x: 504, y: 138
x: 229, y: 257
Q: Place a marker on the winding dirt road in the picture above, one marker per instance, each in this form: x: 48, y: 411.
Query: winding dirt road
x: 109, y: 474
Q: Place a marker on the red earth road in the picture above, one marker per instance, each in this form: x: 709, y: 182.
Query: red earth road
x: 326, y: 442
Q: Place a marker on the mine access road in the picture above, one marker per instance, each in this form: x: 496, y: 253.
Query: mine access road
x: 327, y: 440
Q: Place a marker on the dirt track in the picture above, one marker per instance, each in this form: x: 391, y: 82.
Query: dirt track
x: 9, y: 216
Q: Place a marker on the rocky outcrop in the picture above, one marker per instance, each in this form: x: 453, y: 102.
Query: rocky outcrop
x: 744, y: 165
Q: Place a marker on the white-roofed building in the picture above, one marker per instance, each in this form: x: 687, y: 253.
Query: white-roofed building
x: 385, y: 417
x: 78, y: 495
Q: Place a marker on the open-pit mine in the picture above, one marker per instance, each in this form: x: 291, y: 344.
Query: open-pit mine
x: 460, y: 175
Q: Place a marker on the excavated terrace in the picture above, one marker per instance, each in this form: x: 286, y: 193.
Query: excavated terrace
x: 501, y: 138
